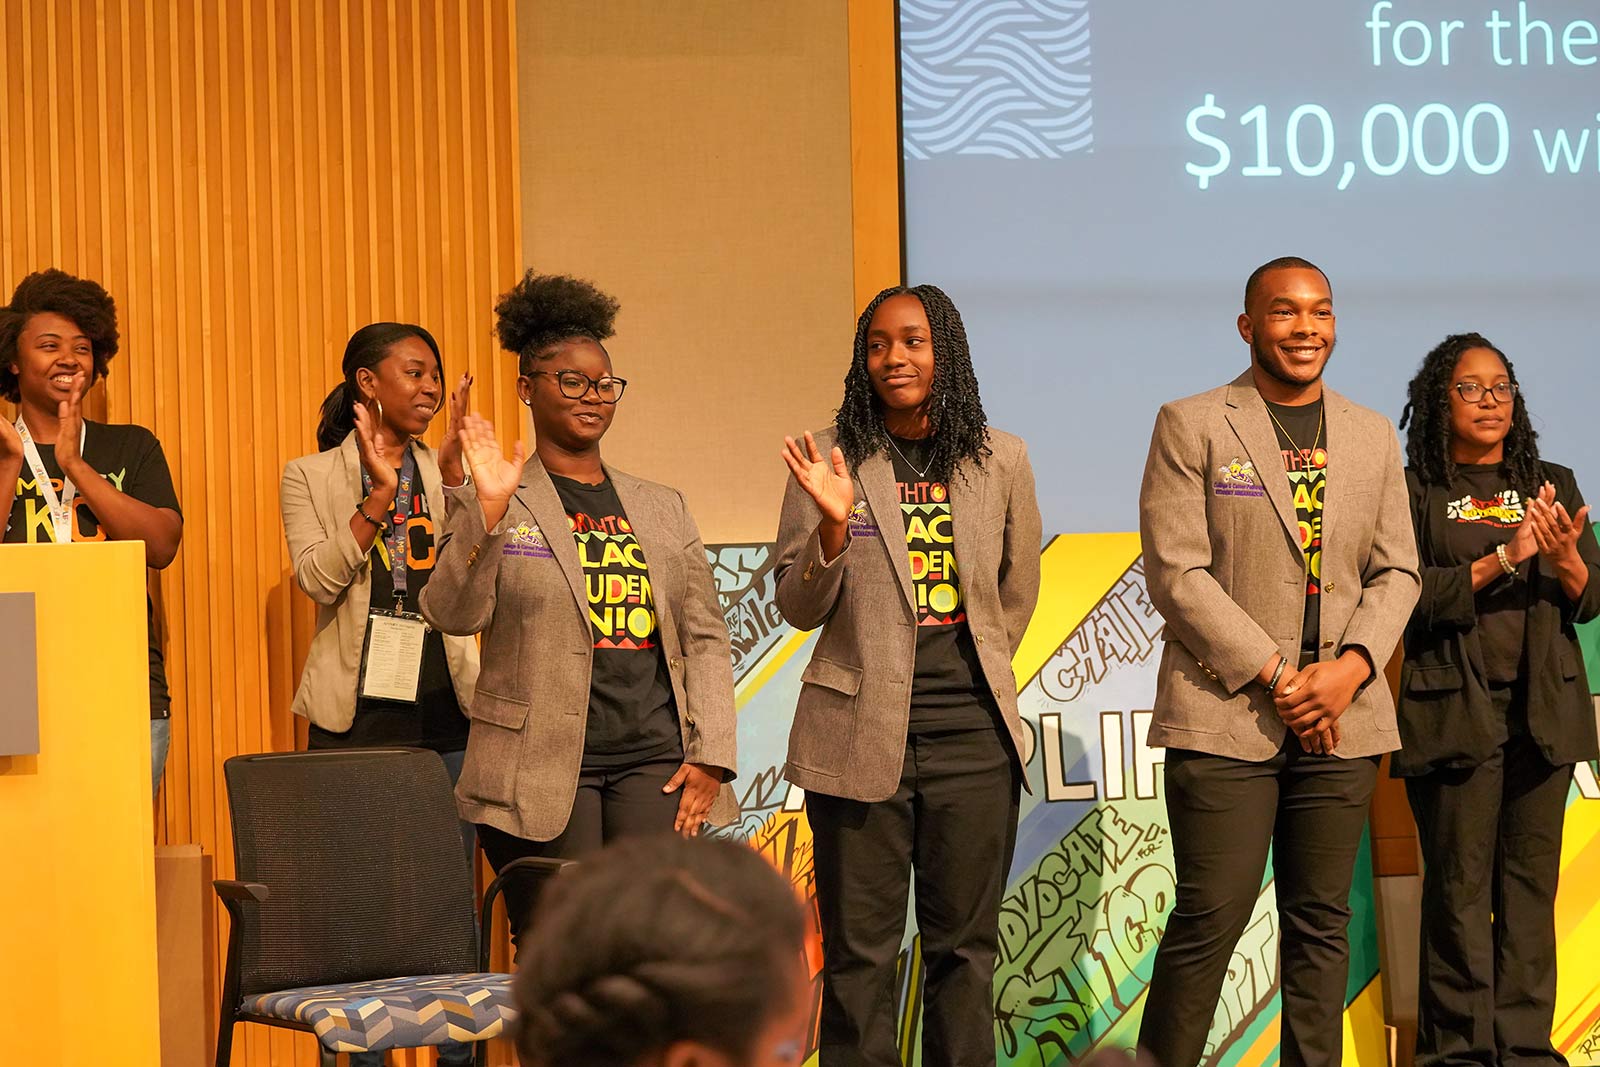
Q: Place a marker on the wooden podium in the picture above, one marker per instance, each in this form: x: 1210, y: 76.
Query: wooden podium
x: 77, y: 875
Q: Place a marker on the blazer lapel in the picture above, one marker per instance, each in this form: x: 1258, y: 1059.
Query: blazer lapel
x: 966, y: 514
x: 537, y: 493
x: 1341, y: 472
x: 878, y: 485
x: 647, y: 521
x: 1247, y: 414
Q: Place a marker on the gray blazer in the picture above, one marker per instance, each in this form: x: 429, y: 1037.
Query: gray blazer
x: 849, y: 733
x: 1223, y: 565
x: 521, y: 584
x: 319, y: 494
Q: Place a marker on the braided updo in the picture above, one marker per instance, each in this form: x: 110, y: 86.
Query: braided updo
x: 653, y: 941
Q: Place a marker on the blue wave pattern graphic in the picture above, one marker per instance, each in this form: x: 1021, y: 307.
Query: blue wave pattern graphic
x: 1006, y: 78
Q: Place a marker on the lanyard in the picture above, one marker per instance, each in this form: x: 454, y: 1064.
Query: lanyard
x: 394, y: 538
x: 60, y: 507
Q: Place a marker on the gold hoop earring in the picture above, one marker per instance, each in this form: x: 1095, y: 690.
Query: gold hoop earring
x: 378, y: 402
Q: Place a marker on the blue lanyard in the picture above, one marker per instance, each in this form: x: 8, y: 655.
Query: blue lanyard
x: 394, y: 538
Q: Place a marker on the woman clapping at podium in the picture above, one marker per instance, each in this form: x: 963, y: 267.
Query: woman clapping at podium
x: 65, y: 478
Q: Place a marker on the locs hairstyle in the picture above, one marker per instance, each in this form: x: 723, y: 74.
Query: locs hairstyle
x: 656, y: 940
x: 543, y: 310
x: 367, y: 348
x: 1427, y: 414
x: 79, y: 299
x: 960, y: 430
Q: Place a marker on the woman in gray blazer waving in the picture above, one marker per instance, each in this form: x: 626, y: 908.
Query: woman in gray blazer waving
x: 605, y: 707
x: 910, y: 536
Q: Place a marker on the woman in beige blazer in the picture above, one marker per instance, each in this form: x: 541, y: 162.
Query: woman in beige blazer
x: 910, y: 537
x: 362, y: 517
x: 341, y: 518
x: 605, y: 708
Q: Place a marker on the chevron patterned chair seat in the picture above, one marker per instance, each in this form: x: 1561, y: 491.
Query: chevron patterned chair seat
x: 396, y: 1012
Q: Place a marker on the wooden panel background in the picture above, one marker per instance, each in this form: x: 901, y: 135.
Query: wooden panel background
x: 252, y: 182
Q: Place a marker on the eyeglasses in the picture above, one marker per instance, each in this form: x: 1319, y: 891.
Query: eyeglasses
x: 575, y: 384
x: 1472, y: 392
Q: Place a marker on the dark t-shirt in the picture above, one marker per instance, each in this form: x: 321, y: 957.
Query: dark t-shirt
x: 947, y: 685
x: 1482, y: 511
x: 632, y: 714
x: 434, y: 720
x: 130, y: 458
x: 1304, y: 440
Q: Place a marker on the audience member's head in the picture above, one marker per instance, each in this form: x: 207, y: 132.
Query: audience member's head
x: 665, y: 952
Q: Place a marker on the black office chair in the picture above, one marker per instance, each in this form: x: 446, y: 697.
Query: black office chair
x: 352, y: 913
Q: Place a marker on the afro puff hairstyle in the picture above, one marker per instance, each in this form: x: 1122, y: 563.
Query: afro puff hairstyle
x: 542, y: 310
x: 79, y: 299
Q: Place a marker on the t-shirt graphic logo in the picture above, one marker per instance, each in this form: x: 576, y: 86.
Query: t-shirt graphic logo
x: 1506, y: 508
x: 622, y: 610
x: 1308, y: 482
x: 930, y: 544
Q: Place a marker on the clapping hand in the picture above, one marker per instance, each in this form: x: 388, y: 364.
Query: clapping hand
x: 1554, y: 531
x: 375, y: 459
x: 450, y: 462
x: 70, y: 433
x: 826, y: 481
x: 496, y: 476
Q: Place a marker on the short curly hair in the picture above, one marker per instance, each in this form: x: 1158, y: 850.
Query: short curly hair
x: 542, y: 310
x: 83, y: 301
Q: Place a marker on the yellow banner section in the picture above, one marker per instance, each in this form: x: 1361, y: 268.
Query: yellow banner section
x: 1075, y: 573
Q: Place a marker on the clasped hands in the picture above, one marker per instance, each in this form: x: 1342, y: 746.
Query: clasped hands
x: 1310, y: 700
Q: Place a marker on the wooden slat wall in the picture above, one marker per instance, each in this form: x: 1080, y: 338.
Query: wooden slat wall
x: 252, y: 180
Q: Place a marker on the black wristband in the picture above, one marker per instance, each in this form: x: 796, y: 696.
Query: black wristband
x: 362, y: 511
x: 1272, y: 686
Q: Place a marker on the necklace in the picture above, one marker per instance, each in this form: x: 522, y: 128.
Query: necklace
x: 1314, y: 441
x: 923, y: 473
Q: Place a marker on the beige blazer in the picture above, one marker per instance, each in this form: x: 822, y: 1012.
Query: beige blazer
x: 1223, y: 565
x: 521, y: 585
x: 319, y: 494
x: 849, y: 733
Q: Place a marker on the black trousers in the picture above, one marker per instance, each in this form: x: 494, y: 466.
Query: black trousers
x: 613, y: 803
x: 1224, y: 814
x: 953, y: 821
x: 1491, y: 847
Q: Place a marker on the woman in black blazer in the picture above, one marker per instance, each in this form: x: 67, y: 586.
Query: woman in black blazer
x: 1494, y: 705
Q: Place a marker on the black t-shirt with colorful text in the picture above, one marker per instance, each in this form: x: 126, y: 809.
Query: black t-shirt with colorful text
x: 1482, y: 511
x: 632, y: 714
x: 1303, y: 438
x: 130, y: 458
x: 435, y: 720
x: 947, y: 686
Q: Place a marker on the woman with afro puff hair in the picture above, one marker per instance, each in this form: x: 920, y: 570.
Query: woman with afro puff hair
x: 910, y: 537
x: 605, y: 704
x: 66, y: 478
x: 1494, y: 707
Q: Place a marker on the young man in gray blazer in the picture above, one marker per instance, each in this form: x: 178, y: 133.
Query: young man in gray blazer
x: 1278, y: 548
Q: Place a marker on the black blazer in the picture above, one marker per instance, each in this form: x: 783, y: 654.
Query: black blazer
x: 1446, y: 718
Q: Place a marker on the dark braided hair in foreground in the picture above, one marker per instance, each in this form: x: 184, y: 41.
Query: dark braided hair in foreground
x: 1426, y: 419
x: 652, y: 941
x: 959, y: 429
x: 542, y: 310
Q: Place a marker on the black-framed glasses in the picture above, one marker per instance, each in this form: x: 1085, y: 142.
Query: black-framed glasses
x: 575, y: 384
x: 1472, y: 392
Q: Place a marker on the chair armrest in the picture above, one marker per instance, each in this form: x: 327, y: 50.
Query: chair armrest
x: 544, y: 869
x: 240, y: 892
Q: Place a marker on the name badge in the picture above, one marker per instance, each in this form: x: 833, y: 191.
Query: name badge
x: 391, y: 656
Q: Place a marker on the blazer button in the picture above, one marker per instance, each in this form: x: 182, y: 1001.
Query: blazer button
x: 674, y: 663
x: 806, y: 575
x: 997, y: 690
x: 1327, y: 644
x: 472, y: 557
x: 1329, y: 587
x: 979, y: 639
x: 690, y: 721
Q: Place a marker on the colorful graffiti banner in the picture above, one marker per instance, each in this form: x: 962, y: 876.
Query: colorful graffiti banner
x: 1092, y: 881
